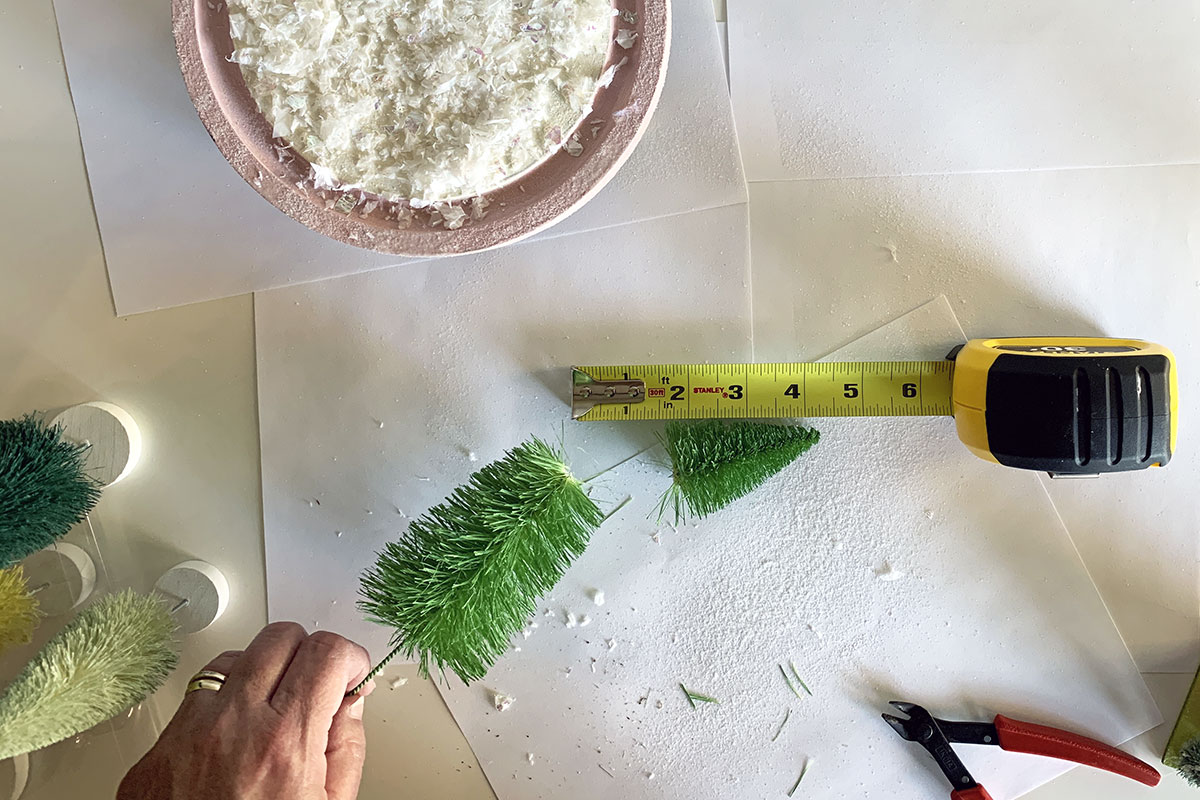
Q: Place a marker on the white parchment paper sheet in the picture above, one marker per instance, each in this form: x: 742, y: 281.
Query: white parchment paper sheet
x: 1078, y: 252
x: 376, y: 391
x: 992, y: 611
x: 824, y: 88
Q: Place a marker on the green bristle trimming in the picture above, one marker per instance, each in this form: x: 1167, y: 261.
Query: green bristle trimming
x: 714, y: 462
x: 466, y: 577
x: 43, y: 488
x: 109, y: 658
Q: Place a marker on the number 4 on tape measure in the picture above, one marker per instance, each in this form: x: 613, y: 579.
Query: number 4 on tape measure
x: 1068, y: 406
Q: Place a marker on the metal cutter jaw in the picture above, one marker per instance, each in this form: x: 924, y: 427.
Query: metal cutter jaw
x: 921, y: 727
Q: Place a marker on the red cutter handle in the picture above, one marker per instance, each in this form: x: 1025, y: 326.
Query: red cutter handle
x: 976, y: 793
x: 1025, y: 737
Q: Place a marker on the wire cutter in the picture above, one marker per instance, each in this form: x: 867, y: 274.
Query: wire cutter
x: 936, y: 735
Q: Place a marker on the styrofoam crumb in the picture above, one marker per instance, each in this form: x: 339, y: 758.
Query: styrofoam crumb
x: 584, y: 621
x: 502, y: 702
x: 598, y: 596
x: 569, y: 619
x: 888, y: 573
x: 471, y: 456
x: 396, y: 683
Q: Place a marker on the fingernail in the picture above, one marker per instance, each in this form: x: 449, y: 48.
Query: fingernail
x: 356, y: 708
x: 368, y: 688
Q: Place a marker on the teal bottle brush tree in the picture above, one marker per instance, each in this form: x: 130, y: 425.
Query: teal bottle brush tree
x: 110, y: 657
x: 43, y: 487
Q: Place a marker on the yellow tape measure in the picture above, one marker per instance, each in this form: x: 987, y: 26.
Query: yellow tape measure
x: 1065, y: 405
x: 729, y: 391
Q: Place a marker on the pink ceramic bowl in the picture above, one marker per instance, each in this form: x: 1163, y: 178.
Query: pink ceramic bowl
x: 534, y: 200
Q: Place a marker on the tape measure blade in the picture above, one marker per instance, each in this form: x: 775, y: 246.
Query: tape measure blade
x: 779, y: 390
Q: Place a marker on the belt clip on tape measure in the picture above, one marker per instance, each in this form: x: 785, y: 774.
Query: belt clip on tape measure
x: 1069, y: 406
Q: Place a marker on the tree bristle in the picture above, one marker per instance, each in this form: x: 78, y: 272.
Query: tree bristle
x: 43, y: 487
x: 110, y: 657
x: 465, y: 578
x: 1189, y: 762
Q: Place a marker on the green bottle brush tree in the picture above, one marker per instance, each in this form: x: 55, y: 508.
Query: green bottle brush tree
x: 466, y: 577
x: 43, y: 487
x: 714, y: 463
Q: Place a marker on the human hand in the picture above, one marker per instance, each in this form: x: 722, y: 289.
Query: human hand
x: 280, y: 727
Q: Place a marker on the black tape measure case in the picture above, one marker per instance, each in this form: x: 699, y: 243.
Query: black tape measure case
x: 1067, y: 406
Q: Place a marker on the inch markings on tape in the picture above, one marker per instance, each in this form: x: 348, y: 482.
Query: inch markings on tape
x: 762, y: 391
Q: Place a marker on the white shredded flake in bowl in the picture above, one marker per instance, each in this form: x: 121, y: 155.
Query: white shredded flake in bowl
x: 423, y: 100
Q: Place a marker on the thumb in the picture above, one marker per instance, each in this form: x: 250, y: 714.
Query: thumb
x: 347, y: 750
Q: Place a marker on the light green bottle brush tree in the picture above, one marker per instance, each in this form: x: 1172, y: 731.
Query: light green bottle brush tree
x: 18, y: 609
x: 43, y: 487
x: 109, y: 658
x: 466, y: 577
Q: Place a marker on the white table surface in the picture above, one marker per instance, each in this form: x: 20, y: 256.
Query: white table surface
x: 187, y: 374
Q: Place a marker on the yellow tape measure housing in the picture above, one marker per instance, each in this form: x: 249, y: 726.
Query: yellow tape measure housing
x: 741, y: 391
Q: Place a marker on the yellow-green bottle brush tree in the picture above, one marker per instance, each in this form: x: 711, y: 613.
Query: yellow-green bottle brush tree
x: 109, y: 658
x: 44, y: 489
x: 465, y: 578
x: 714, y: 463
x: 18, y: 609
